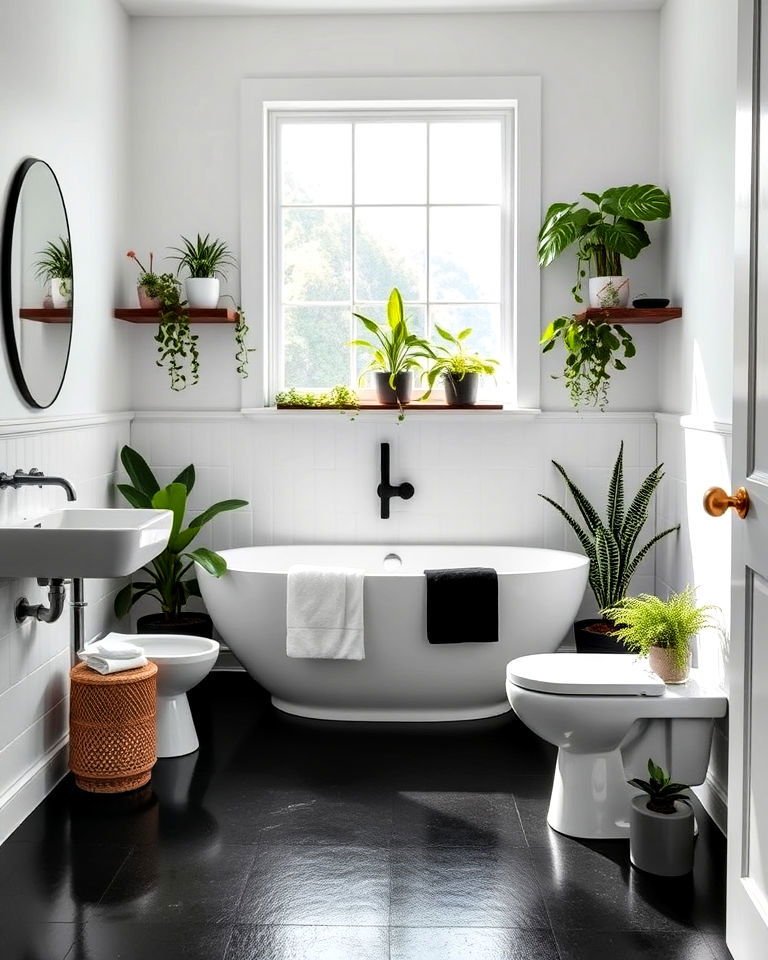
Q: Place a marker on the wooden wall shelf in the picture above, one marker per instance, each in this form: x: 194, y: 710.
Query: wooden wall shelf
x: 630, y: 314
x: 217, y: 315
x: 47, y: 314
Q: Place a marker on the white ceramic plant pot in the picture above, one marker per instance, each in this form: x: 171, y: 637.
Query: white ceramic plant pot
x: 202, y: 292
x: 608, y: 291
x: 61, y: 292
x: 661, y: 843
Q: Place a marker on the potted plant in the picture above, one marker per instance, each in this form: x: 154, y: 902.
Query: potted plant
x: 603, y: 236
x: 592, y: 349
x: 169, y: 579
x: 661, y: 630
x: 610, y: 545
x: 396, y: 352
x: 459, y: 369
x: 661, y: 828
x: 203, y: 260
x: 54, y: 268
x: 148, y: 283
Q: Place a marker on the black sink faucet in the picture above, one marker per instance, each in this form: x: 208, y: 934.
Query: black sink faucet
x: 385, y: 489
x: 35, y: 478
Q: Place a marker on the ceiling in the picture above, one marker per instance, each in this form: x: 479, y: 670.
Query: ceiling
x: 191, y: 8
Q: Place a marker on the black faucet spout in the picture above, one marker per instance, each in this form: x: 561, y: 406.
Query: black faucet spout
x: 387, y: 490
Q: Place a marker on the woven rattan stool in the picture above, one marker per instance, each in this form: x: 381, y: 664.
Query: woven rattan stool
x: 112, y: 738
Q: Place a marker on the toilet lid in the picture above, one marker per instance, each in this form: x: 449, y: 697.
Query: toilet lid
x: 585, y: 673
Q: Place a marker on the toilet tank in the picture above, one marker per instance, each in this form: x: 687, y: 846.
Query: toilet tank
x: 680, y: 746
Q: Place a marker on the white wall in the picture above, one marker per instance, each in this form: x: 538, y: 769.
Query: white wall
x: 698, y: 114
x: 599, y: 129
x: 62, y: 98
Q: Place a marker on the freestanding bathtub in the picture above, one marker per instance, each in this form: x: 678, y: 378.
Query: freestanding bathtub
x: 402, y: 677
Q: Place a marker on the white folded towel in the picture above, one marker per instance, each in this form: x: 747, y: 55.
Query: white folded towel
x: 113, y: 654
x: 324, y: 613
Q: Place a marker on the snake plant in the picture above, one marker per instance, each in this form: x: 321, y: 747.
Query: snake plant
x: 610, y: 543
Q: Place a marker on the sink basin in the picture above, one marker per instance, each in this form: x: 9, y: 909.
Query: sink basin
x: 83, y: 542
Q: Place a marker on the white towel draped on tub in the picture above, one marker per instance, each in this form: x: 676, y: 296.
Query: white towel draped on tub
x: 324, y: 614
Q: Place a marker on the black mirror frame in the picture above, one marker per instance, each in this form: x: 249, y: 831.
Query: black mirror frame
x: 6, y: 299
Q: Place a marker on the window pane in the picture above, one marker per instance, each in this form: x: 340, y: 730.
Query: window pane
x: 315, y: 344
x: 391, y: 163
x: 485, y: 338
x: 465, y: 162
x: 416, y: 315
x: 465, y: 253
x: 317, y: 254
x: 316, y: 162
x: 390, y: 251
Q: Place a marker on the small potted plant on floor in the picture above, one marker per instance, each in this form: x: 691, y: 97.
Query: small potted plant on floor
x: 203, y: 259
x: 395, y: 353
x: 661, y: 630
x: 661, y: 831
x: 168, y: 578
x: 54, y: 268
x: 459, y: 369
x: 614, y: 229
x: 611, y: 545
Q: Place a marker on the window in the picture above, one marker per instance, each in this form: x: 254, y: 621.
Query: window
x: 369, y: 201
x: 351, y: 186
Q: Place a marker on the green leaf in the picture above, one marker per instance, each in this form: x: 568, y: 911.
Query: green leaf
x: 124, y: 601
x: 549, y: 332
x: 135, y: 497
x: 594, y: 197
x: 187, y: 477
x: 139, y: 471
x: 626, y: 237
x: 209, y: 560
x: 173, y: 498
x: 558, y: 232
x: 217, y: 508
x: 463, y: 334
x: 395, y: 309
x: 637, y: 202
x: 191, y: 587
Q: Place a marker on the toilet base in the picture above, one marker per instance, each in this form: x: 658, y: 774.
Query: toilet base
x: 591, y: 798
x: 176, y: 734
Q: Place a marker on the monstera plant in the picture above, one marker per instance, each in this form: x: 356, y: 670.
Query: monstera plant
x: 169, y: 578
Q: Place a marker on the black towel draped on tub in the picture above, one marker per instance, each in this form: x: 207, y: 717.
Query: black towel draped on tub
x: 462, y: 605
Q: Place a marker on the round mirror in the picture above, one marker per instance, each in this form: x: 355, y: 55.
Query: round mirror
x: 37, y: 285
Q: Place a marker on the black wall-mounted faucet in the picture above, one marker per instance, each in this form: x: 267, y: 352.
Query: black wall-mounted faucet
x: 385, y: 489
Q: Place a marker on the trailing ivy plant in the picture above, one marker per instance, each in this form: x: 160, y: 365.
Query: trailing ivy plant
x: 610, y: 543
x: 593, y: 348
x: 177, y: 345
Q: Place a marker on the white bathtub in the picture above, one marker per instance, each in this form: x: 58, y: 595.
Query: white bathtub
x: 402, y: 677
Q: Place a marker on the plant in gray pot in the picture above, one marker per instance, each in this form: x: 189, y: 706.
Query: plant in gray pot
x: 395, y: 353
x: 610, y: 544
x: 169, y: 578
x: 661, y: 831
x: 459, y: 369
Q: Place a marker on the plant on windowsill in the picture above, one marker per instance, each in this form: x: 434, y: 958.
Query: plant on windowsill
x: 169, y: 578
x: 339, y: 397
x: 661, y: 630
x: 460, y: 370
x: 54, y: 268
x: 610, y: 546
x: 395, y: 353
x: 661, y: 832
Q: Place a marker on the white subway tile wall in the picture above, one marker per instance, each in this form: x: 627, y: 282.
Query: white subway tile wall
x: 35, y: 657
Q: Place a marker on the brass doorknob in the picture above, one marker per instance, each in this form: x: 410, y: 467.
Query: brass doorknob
x: 717, y: 501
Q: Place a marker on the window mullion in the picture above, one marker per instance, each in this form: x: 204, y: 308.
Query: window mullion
x: 353, y: 270
x: 427, y: 313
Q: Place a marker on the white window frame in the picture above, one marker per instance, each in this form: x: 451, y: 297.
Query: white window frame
x: 265, y: 98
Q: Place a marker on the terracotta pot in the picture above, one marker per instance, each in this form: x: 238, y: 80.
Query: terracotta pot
x: 663, y: 664
x: 594, y: 636
x: 189, y: 624
x: 146, y: 302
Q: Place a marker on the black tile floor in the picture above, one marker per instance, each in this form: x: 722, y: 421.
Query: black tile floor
x: 290, y: 839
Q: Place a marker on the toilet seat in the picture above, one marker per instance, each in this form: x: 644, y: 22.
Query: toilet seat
x: 585, y: 674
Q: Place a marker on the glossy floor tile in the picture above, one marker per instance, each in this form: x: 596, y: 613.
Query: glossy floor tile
x: 292, y: 839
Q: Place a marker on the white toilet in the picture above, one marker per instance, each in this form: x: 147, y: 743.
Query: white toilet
x: 607, y: 715
x: 182, y: 662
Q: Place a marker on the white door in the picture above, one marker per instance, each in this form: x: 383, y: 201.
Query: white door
x: 747, y: 918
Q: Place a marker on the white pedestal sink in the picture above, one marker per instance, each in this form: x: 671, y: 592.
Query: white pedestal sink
x: 83, y: 542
